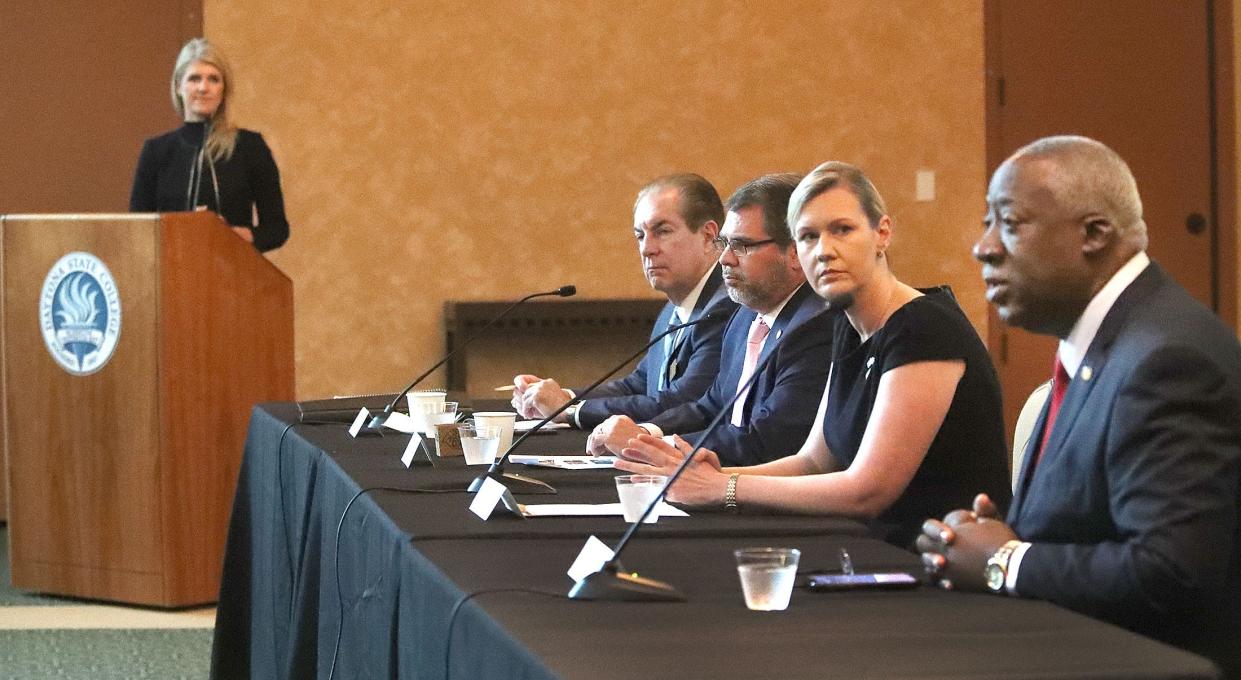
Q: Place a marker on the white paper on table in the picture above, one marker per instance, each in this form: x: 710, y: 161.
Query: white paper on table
x: 565, y: 462
x: 523, y: 425
x: 591, y: 510
x: 400, y: 422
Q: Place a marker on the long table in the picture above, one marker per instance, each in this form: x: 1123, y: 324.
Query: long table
x: 418, y: 587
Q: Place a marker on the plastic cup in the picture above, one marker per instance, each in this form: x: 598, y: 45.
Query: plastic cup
x: 434, y: 414
x: 636, y: 492
x: 480, y: 444
x: 419, y: 402
x: 501, y: 419
x: 767, y: 576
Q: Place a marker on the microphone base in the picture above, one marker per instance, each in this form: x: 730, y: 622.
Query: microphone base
x: 518, y: 484
x: 611, y: 584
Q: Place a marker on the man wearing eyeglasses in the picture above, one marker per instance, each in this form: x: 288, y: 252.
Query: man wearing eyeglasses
x: 780, y: 315
x: 676, y: 224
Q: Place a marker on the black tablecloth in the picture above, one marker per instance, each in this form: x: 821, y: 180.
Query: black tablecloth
x: 408, y: 560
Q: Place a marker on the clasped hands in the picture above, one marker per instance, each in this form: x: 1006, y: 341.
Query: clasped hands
x: 702, y: 483
x: 535, y: 397
x: 955, y: 551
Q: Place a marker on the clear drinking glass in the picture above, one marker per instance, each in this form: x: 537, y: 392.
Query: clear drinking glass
x: 480, y: 444
x: 767, y: 576
x: 434, y: 414
x: 636, y: 492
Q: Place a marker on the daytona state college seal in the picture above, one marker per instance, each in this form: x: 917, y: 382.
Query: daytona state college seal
x: 80, y: 313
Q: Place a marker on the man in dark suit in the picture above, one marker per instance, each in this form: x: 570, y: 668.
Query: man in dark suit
x: 675, y: 221
x: 1128, y: 503
x: 780, y: 315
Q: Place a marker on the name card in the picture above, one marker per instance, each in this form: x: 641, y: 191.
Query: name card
x: 358, y: 422
x: 411, y: 450
x: 593, y: 556
x: 492, y: 494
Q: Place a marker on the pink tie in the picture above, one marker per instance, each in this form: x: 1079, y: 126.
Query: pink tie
x: 1059, y: 385
x: 758, y: 333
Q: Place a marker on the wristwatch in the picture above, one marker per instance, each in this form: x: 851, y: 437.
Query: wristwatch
x: 996, y: 571
x: 730, y: 493
x: 570, y: 415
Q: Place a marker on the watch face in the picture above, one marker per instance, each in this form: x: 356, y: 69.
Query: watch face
x: 995, y: 577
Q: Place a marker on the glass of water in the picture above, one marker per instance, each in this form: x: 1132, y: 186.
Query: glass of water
x: 480, y: 444
x: 767, y: 576
x: 636, y: 493
x: 436, y: 414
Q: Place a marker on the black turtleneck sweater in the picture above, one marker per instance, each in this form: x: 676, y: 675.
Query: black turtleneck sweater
x: 248, y: 182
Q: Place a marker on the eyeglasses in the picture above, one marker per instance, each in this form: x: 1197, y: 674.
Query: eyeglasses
x: 740, y: 248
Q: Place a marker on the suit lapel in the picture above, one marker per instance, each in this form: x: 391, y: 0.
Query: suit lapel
x: 1088, y: 375
x: 732, y: 362
x: 788, y: 318
x: 711, y: 291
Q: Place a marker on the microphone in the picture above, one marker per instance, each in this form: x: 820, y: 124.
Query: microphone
x: 196, y: 171
x: 526, y: 484
x: 613, y: 581
x: 378, y: 421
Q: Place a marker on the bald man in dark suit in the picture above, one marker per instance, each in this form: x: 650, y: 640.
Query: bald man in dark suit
x: 1128, y: 504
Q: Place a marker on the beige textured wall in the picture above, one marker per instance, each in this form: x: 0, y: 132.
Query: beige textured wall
x: 433, y: 151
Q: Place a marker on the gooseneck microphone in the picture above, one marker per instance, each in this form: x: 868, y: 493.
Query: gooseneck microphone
x: 613, y: 581
x: 196, y: 173
x: 521, y: 483
x: 381, y: 418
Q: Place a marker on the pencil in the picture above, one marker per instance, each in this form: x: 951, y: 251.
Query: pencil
x: 502, y: 388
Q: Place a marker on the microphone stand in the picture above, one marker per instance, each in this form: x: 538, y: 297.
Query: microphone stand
x: 196, y: 170
x: 613, y: 581
x: 377, y: 422
x: 519, y: 483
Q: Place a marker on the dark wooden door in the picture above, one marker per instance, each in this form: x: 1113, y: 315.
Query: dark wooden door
x: 1134, y: 74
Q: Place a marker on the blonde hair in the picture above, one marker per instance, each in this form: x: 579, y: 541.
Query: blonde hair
x: 223, y: 137
x: 834, y: 174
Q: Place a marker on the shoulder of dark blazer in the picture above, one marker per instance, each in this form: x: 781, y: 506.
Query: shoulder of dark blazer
x: 1155, y: 308
x: 163, y: 144
x: 810, y: 313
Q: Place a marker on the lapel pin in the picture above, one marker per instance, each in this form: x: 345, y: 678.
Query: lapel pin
x: 1086, y: 373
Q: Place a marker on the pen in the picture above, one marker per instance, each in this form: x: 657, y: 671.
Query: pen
x: 502, y: 388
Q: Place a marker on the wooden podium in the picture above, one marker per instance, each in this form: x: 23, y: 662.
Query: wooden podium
x: 121, y: 480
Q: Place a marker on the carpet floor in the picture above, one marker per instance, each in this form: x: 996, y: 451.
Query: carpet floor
x: 44, y: 636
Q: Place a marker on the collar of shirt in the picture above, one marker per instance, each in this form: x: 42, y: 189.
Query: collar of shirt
x: 686, y: 308
x: 1073, y: 348
x: 770, y: 317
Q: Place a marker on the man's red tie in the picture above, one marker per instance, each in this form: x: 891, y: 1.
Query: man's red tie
x: 1059, y: 385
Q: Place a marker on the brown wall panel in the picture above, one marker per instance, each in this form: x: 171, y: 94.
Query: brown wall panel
x: 85, y: 82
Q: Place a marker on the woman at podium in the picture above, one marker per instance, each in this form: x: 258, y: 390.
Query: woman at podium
x: 209, y: 163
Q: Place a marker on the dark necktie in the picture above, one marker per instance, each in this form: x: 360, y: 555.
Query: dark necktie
x: 669, y: 344
x: 1059, y: 385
